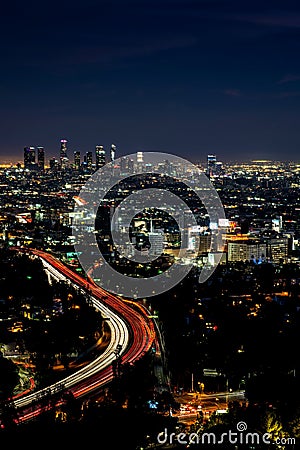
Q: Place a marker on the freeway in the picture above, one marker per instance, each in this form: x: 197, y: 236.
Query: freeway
x: 132, y: 335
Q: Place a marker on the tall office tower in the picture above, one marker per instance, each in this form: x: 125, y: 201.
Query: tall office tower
x: 63, y: 148
x: 140, y: 158
x: 113, y: 149
x: 277, y: 224
x: 124, y: 165
x: 89, y: 160
x: 140, y: 161
x: 53, y: 164
x: 219, y: 169
x: 41, y: 158
x: 100, y: 156
x: 277, y: 249
x: 29, y: 157
x: 114, y: 218
x: 130, y: 165
x: 156, y: 238
x: 63, y: 154
x: 211, y: 165
x: 168, y: 167
x: 77, y: 161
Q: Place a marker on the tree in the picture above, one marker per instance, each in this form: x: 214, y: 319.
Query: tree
x: 294, y: 427
x: 9, y: 377
x: 271, y: 424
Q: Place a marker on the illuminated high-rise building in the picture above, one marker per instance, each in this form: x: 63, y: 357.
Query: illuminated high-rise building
x: 277, y: 224
x: 77, y: 160
x: 124, y: 165
x: 29, y: 157
x: 277, y: 249
x: 54, y: 164
x: 130, y: 165
x: 63, y: 154
x: 140, y: 161
x: 113, y: 149
x: 89, y: 160
x: 219, y: 169
x: 100, y: 156
x: 41, y: 158
x: 211, y: 165
x: 140, y: 158
x: 63, y: 148
x: 156, y: 239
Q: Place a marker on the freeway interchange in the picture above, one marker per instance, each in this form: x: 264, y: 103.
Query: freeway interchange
x: 132, y: 336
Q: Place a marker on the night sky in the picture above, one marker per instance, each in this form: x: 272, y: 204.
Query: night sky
x: 184, y: 77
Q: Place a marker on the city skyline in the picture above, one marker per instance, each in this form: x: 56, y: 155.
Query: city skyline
x: 188, y: 78
x: 72, y: 150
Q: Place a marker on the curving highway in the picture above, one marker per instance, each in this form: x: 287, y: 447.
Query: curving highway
x: 132, y: 335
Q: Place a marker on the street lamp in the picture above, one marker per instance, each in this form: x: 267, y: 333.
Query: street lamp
x: 201, y: 389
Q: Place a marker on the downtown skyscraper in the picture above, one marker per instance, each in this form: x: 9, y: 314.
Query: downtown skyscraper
x: 63, y: 154
x: 113, y: 149
x: 41, y: 158
x: 100, y: 156
x: 29, y: 157
x: 77, y: 161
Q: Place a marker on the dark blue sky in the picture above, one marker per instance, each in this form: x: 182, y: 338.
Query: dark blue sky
x: 180, y: 76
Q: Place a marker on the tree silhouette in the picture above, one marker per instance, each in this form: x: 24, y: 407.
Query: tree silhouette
x: 9, y: 377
